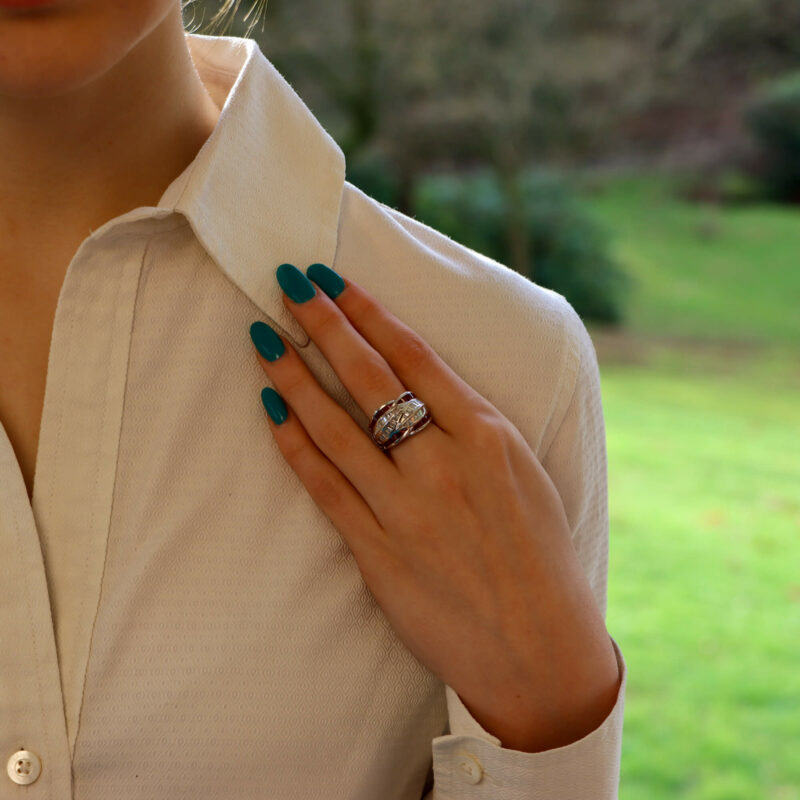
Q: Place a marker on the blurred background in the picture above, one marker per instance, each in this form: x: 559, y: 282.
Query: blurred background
x: 642, y: 158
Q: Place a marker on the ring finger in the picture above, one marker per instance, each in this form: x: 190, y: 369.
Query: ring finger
x: 362, y: 369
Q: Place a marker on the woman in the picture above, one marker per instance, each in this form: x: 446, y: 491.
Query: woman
x: 355, y: 593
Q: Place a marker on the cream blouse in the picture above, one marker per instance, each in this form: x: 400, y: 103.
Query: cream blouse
x: 178, y: 619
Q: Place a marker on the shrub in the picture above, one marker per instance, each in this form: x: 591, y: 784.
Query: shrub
x: 773, y: 117
x: 569, y: 250
x: 726, y: 185
x: 374, y: 174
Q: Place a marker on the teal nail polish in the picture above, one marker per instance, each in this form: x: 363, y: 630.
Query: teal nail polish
x: 267, y: 342
x: 294, y: 283
x: 327, y: 279
x: 274, y: 404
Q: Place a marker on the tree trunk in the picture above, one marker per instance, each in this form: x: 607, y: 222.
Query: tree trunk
x: 508, y: 168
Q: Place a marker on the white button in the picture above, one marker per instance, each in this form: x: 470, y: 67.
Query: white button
x: 24, y: 767
x: 469, y: 768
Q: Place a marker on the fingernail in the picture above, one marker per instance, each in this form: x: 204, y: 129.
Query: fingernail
x: 295, y: 284
x: 327, y: 279
x: 267, y: 342
x: 274, y: 404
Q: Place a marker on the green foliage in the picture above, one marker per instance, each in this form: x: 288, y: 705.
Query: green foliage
x: 569, y: 250
x: 737, y: 188
x: 375, y: 175
x: 725, y: 185
x: 774, y: 119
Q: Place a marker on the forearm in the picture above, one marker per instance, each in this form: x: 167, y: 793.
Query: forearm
x: 555, y: 693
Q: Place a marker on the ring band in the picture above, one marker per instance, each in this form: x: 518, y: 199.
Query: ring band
x: 395, y: 421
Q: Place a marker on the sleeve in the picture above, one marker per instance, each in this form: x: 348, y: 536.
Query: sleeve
x: 468, y: 762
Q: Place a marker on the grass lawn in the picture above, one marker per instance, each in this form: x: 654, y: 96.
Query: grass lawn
x: 702, y: 271
x: 704, y: 494
x: 704, y: 586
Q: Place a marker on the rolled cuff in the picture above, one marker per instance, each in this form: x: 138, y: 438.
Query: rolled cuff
x: 469, y: 762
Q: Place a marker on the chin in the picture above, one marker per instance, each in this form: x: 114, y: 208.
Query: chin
x: 46, y: 56
x: 54, y: 50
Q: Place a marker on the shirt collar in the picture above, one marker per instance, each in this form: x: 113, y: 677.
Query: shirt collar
x: 266, y: 186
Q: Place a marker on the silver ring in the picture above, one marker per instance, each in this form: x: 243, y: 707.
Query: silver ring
x: 398, y: 419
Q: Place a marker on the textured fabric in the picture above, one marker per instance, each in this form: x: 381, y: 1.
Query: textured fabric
x: 178, y: 619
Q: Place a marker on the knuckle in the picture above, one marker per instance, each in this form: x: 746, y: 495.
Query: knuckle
x: 373, y: 374
x: 329, y: 318
x: 336, y: 438
x: 489, y: 433
x: 360, y: 308
x: 292, y: 444
x: 325, y: 490
x: 291, y: 383
x: 293, y: 375
x: 413, y: 352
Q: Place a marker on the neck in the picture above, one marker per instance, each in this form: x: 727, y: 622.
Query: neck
x: 73, y: 161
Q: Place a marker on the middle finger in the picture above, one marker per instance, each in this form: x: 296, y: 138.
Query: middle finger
x: 361, y: 368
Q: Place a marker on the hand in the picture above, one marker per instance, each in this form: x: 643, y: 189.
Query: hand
x: 458, y: 531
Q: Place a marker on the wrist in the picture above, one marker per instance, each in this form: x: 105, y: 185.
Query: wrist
x: 535, y: 716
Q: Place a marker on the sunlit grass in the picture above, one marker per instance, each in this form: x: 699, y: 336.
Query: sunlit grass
x: 704, y: 271
x: 704, y: 499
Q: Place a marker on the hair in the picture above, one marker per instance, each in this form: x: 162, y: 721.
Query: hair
x: 228, y: 7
